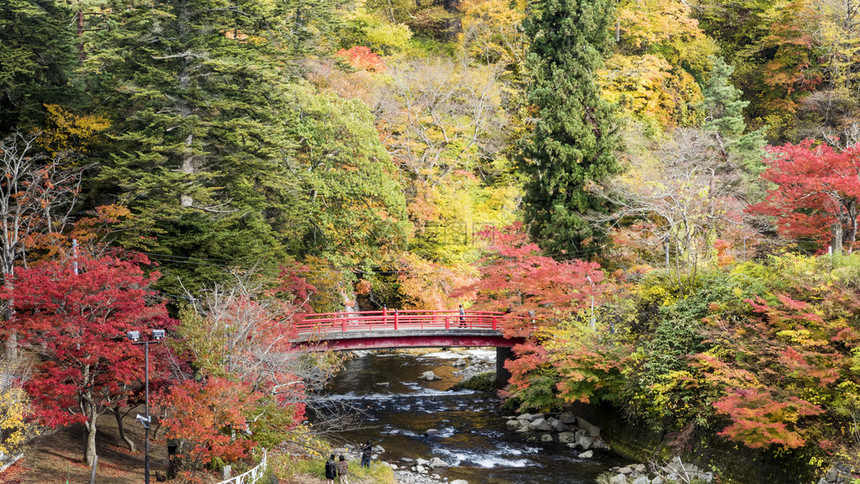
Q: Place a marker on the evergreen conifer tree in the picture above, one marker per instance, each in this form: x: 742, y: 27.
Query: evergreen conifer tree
x: 223, y: 155
x: 36, y: 56
x: 724, y: 119
x: 574, y: 139
x: 193, y: 86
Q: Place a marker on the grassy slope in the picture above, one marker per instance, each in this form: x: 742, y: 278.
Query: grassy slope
x: 56, y: 457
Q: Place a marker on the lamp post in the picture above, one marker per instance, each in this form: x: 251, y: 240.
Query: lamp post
x: 134, y: 336
x: 592, y: 300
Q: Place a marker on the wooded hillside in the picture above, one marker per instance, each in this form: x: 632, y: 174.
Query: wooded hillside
x: 245, y: 161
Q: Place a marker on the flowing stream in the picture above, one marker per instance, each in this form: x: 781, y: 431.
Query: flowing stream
x: 472, y: 435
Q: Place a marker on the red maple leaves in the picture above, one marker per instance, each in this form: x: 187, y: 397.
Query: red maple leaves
x: 817, y: 187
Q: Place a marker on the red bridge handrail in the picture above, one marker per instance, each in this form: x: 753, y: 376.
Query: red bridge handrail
x: 408, y: 319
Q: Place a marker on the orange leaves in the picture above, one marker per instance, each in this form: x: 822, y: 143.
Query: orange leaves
x: 361, y: 58
x: 209, y: 418
x: 761, y: 418
x: 425, y: 284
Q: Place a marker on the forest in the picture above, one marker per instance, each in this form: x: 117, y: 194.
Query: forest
x: 217, y: 168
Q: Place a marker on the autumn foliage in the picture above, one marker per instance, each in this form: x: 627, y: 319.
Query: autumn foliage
x: 817, y: 188
x: 515, y: 276
x: 539, y: 293
x: 361, y: 58
x: 210, y: 419
x: 74, y: 314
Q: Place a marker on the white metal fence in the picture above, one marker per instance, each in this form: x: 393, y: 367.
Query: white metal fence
x: 250, y: 477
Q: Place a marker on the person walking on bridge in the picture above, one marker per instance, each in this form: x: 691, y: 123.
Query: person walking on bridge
x: 462, y: 317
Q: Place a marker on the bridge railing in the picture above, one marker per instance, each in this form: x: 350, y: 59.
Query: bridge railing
x: 392, y: 319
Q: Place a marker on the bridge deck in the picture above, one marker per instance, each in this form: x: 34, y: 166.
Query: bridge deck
x: 404, y: 329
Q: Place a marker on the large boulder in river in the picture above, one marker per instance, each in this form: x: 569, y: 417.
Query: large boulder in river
x: 437, y: 463
x: 540, y: 425
x: 567, y: 418
x: 557, y: 425
x: 593, y: 430
x: 584, y: 442
x: 459, y: 481
x: 513, y: 424
x: 429, y: 376
x: 618, y: 479
x: 566, y: 437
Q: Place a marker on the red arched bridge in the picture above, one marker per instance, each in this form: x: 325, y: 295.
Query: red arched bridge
x: 391, y: 328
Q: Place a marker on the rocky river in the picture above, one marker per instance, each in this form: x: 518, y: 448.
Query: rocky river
x: 469, y: 435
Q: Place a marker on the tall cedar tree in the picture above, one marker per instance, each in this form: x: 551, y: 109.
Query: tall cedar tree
x: 221, y: 155
x: 574, y: 139
x: 76, y: 324
x: 197, y: 145
x: 37, y: 51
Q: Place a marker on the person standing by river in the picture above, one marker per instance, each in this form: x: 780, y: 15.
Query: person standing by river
x: 342, y: 469
x: 330, y: 470
x: 462, y: 317
x: 366, y: 452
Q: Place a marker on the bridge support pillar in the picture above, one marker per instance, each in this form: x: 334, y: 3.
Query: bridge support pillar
x: 503, y: 354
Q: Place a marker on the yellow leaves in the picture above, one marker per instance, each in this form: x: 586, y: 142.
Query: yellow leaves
x: 16, y: 426
x: 385, y: 37
x: 491, y: 30
x: 802, y: 337
x: 648, y: 87
x: 645, y: 22
x: 65, y: 131
x: 390, y: 37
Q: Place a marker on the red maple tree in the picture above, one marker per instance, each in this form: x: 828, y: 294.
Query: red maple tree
x: 816, y: 194
x: 538, y: 292
x: 516, y: 277
x: 74, y: 315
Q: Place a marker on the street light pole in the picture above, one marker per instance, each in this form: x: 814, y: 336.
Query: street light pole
x: 158, y: 335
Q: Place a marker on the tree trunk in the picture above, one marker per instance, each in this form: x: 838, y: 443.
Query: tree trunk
x: 90, y: 451
x: 121, y: 429
x: 12, y: 336
x: 836, y: 241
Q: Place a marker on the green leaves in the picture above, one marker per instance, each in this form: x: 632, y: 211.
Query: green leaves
x: 573, y: 141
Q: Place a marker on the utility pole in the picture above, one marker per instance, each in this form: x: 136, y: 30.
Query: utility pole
x: 145, y: 420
